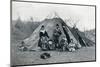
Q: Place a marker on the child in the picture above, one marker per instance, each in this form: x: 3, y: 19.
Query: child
x: 71, y: 46
x: 63, y: 44
x: 50, y: 45
x: 43, y: 43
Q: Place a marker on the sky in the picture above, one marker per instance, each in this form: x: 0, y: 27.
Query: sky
x: 82, y: 16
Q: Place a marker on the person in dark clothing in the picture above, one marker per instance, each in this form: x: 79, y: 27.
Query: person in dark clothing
x: 56, y: 34
x: 67, y: 35
x: 43, y: 36
x: 43, y: 32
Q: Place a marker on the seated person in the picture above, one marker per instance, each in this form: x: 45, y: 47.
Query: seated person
x: 43, y: 43
x: 22, y: 47
x: 50, y: 45
x: 71, y: 46
x: 63, y: 44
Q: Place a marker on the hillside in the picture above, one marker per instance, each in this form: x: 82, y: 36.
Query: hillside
x: 21, y: 29
x: 90, y: 34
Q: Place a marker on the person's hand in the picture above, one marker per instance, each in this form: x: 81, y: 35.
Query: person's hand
x: 48, y: 38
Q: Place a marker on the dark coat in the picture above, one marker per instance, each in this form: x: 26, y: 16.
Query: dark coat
x: 56, y: 34
x: 43, y: 34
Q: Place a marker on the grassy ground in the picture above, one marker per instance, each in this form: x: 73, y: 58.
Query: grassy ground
x: 33, y: 57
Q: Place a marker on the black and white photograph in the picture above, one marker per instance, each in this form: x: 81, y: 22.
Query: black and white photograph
x: 52, y: 33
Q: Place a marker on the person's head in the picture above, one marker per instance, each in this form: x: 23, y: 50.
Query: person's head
x: 63, y: 26
x: 22, y: 43
x: 42, y: 27
x: 64, y: 38
x: 71, y: 40
x: 50, y: 41
x: 57, y: 25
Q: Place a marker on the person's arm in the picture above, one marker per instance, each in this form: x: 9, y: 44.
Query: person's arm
x: 60, y: 32
x: 40, y: 34
x: 46, y: 34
